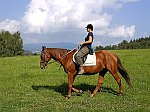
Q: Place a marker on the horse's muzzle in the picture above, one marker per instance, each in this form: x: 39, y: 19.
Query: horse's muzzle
x: 42, y: 65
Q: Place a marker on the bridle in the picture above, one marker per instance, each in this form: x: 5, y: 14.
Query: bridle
x: 63, y: 56
x: 76, y: 48
x: 44, y: 52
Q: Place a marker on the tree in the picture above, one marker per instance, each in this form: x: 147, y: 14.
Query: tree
x: 123, y: 44
x: 17, y: 44
x: 10, y: 44
x: 99, y: 48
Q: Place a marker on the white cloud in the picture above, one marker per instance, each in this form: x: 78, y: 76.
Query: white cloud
x: 59, y: 16
x: 122, y: 31
x: 49, y: 16
x: 10, y: 25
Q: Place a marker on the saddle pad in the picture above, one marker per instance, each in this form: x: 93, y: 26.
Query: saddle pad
x: 90, y: 60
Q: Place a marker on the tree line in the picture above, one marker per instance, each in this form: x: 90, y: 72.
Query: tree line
x: 10, y: 44
x: 140, y: 43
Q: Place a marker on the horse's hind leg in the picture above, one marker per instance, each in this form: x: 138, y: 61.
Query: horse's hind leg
x: 117, y: 78
x: 100, y: 81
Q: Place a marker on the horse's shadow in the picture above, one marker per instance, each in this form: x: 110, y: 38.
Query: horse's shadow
x: 84, y: 87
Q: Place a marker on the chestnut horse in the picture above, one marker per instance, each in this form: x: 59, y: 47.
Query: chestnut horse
x: 105, y: 61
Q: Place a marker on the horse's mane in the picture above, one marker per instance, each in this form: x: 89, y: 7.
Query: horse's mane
x: 55, y: 51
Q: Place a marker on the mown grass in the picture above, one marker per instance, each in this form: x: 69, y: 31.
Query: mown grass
x: 24, y: 87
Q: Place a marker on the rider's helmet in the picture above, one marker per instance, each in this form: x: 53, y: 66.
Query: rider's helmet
x: 90, y: 26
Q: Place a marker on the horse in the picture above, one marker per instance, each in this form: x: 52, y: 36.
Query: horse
x: 105, y: 61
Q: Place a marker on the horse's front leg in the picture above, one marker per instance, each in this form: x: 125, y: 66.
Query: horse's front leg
x: 71, y: 78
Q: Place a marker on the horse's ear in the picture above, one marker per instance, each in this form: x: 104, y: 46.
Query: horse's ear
x: 43, y: 48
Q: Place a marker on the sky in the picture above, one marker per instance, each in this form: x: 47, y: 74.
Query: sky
x: 49, y: 21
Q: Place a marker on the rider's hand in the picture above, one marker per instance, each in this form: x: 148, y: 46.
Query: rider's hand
x: 81, y: 43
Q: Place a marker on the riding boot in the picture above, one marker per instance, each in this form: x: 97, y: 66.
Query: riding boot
x: 81, y: 70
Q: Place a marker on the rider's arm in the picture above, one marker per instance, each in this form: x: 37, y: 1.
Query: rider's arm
x: 88, y: 41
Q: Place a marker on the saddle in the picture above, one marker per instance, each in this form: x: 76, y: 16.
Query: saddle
x: 89, y: 60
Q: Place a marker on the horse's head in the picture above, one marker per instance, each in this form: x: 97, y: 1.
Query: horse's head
x: 45, y: 57
x: 57, y: 54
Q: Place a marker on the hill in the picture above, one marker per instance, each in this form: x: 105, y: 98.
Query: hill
x: 37, y: 47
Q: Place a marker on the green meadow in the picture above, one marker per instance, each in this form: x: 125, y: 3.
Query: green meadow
x: 24, y: 87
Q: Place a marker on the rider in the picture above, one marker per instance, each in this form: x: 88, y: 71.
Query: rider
x: 86, y: 48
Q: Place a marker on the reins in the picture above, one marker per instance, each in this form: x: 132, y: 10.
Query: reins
x: 63, y: 56
x: 67, y: 54
x: 71, y: 51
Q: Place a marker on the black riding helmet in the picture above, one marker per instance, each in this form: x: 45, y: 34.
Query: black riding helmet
x: 90, y: 26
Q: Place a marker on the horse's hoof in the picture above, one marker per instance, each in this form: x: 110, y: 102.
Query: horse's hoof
x: 120, y: 94
x: 92, y: 95
x: 80, y: 91
x: 67, y: 97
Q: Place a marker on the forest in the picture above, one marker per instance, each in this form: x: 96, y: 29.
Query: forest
x: 10, y: 44
x: 140, y: 43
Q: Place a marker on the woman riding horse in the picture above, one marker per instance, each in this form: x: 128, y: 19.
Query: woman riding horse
x: 86, y: 48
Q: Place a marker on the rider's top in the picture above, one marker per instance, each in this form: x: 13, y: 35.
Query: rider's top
x: 87, y: 38
x: 90, y: 44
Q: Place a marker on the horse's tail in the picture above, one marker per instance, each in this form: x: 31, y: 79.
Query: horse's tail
x: 123, y: 72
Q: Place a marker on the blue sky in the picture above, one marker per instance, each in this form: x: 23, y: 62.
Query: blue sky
x: 136, y: 14
x: 46, y: 21
x: 13, y: 9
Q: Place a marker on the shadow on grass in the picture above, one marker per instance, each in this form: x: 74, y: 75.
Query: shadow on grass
x: 84, y: 87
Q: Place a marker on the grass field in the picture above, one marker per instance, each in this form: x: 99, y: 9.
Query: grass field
x: 24, y: 87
